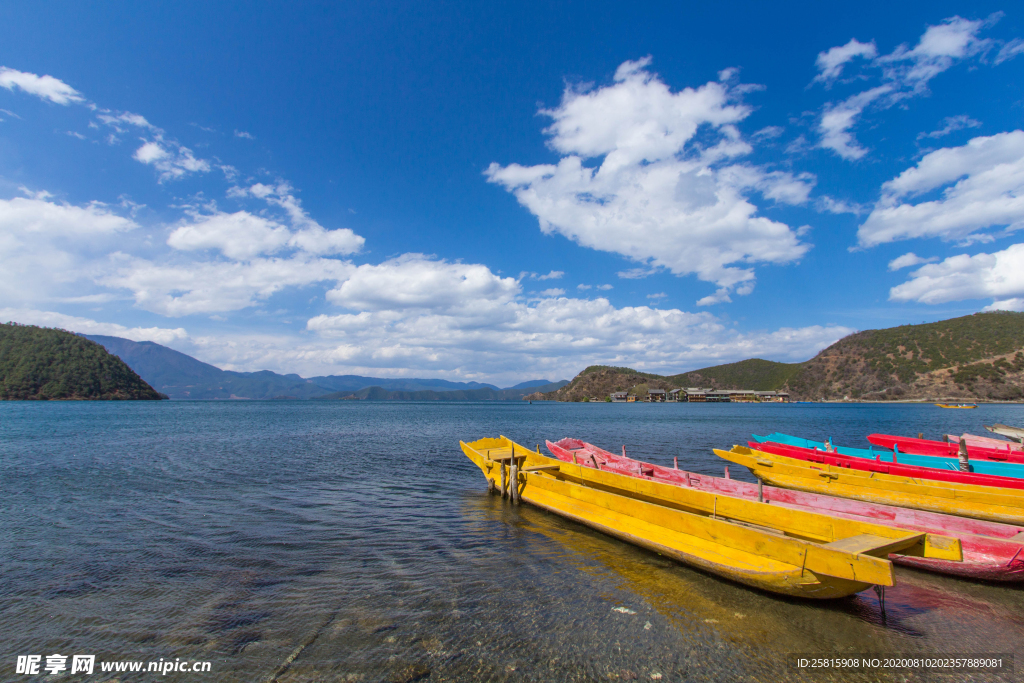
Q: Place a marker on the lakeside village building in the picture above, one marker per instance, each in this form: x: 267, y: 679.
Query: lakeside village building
x: 698, y: 395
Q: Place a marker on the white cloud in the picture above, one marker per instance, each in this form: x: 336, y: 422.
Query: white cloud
x: 553, y: 292
x: 244, y: 235
x: 827, y: 204
x: 838, y: 119
x: 830, y: 63
x: 553, y: 275
x: 938, y: 49
x: 768, y: 133
x: 906, y: 72
x: 584, y: 288
x: 27, y: 316
x: 172, y: 163
x: 908, y: 260
x: 239, y: 235
x: 657, y: 196
x: 1016, y: 304
x: 115, y: 119
x: 605, y: 287
x: 636, y: 273
x: 244, y: 135
x: 998, y: 275
x: 415, y: 281
x: 1010, y: 50
x: 659, y: 295
x: 177, y: 289
x: 986, y: 189
x: 440, y: 319
x: 43, y: 87
x: 779, y: 186
x: 951, y: 124
x: 48, y: 248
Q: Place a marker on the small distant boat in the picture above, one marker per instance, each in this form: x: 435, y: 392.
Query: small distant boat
x: 784, y: 551
x: 1015, y: 433
x: 942, y: 462
x: 960, y: 406
x: 992, y: 551
x: 877, y: 485
x: 943, y: 449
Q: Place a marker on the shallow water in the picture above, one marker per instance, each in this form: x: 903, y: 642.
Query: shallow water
x: 353, y: 541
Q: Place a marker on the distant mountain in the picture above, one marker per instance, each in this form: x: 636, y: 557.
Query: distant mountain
x: 377, y: 393
x: 975, y: 357
x: 536, y: 384
x: 38, y: 363
x: 355, y: 383
x: 181, y: 376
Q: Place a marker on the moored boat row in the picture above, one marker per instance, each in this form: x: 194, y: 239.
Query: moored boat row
x: 991, y: 550
x: 822, y: 521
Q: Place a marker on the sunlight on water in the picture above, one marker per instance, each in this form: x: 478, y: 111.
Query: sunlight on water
x: 354, y: 542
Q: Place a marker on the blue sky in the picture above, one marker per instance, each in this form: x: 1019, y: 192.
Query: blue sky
x: 500, y: 192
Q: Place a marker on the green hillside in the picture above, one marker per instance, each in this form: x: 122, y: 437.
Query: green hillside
x: 975, y: 357
x: 44, y: 364
x: 754, y: 373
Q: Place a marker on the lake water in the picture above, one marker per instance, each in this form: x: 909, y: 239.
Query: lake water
x: 353, y: 541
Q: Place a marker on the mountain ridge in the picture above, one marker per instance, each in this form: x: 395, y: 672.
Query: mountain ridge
x: 181, y: 376
x: 976, y: 357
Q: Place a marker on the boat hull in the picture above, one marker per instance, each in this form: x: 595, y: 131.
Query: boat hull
x: 720, y: 534
x: 980, y: 502
x: 1015, y: 433
x: 975, y: 441
x: 908, y: 444
x: 952, y: 464
x: 861, y: 464
x: 990, y: 551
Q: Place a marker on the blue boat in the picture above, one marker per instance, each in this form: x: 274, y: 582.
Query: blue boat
x: 1002, y: 469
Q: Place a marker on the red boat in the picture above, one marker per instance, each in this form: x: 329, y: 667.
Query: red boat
x: 949, y: 449
x: 864, y: 465
x: 992, y: 551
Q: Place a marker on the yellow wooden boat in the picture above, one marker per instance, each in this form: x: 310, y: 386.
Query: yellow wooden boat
x: 960, y: 406
x: 967, y: 500
x: 785, y: 551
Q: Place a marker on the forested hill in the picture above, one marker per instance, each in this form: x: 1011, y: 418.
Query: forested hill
x: 976, y: 357
x: 39, y: 363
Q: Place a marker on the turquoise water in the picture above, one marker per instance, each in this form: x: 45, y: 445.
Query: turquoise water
x: 352, y: 541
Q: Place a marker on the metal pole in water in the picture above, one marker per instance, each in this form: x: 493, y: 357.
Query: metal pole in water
x: 502, y: 478
x: 514, y: 479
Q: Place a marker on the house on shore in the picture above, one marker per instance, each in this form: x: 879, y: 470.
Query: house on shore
x: 706, y: 395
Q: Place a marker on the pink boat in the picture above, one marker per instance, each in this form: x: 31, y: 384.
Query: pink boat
x: 992, y: 551
x: 908, y: 444
x: 975, y: 441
